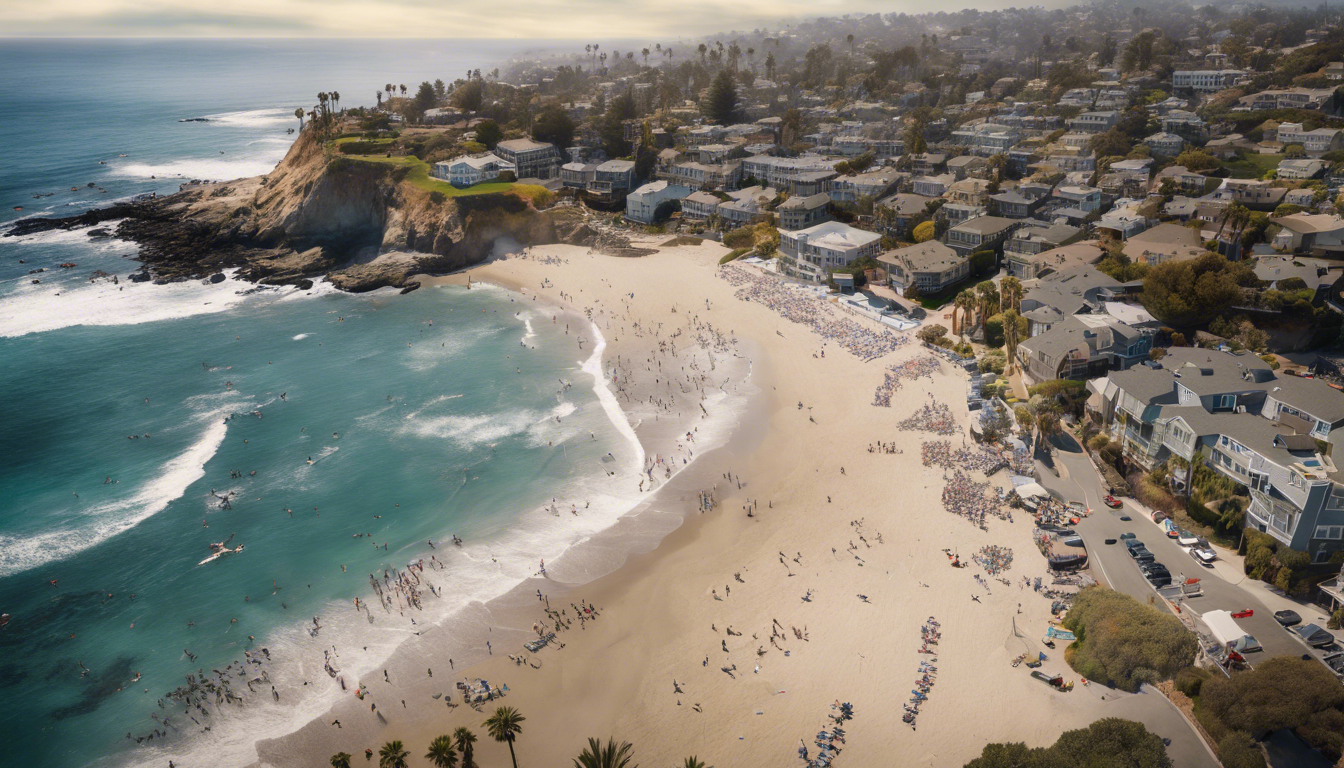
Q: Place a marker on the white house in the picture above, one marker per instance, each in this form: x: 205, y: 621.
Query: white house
x: 642, y: 204
x: 811, y: 253
x: 466, y: 171
x: 1314, y: 142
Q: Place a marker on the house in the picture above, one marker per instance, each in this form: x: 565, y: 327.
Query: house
x: 1077, y: 291
x: 932, y: 186
x: 811, y: 253
x: 956, y: 213
x: 613, y: 178
x: 983, y: 233
x: 1317, y: 274
x: 697, y: 175
x: 901, y: 208
x: 1095, y: 122
x: 967, y: 165
x: 466, y: 171
x: 1314, y: 233
x: 1289, y: 98
x: 803, y: 212
x: 1026, y: 266
x: 642, y: 205
x: 746, y: 205
x: 1086, y: 199
x: 1314, y: 142
x: 1014, y: 205
x: 928, y: 163
x: 699, y: 205
x: 1204, y: 80
x: 1185, y: 180
x: 968, y: 191
x: 1122, y: 223
x: 930, y: 266
x: 1082, y: 347
x: 871, y: 184
x: 577, y: 175
x: 530, y: 159
x: 987, y: 138
x: 1183, y: 123
x: 1252, y: 193
x: 1238, y: 417
x: 1300, y: 169
x: 781, y: 171
x: 1165, y: 144
x: 1164, y: 242
x: 1031, y: 239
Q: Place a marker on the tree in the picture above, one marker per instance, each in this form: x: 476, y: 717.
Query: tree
x: 469, y: 96
x: 440, y: 90
x: 1126, y: 643
x: 987, y: 299
x: 554, y: 126
x: 924, y: 232
x: 1011, y: 330
x: 425, y: 98
x: 393, y: 755
x: 1107, y: 742
x: 930, y: 334
x: 1197, y: 160
x: 694, y: 762
x: 340, y: 760
x: 504, y: 726
x: 441, y: 752
x: 610, y: 755
x: 721, y: 101
x: 963, y: 306
x: 489, y: 133
x: 1282, y: 692
x: 1010, y: 289
x: 465, y: 741
x: 299, y: 114
x: 612, y: 129
x: 1190, y: 293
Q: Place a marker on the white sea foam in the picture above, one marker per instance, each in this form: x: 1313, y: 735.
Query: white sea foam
x: 301, y: 336
x: 20, y: 553
x: 593, y: 367
x: 485, y: 428
x: 254, y: 118
x: 36, y: 308
x: 206, y: 168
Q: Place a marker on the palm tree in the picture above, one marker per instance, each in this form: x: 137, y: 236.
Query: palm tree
x: 393, y: 755
x: 465, y: 741
x: 1010, y: 293
x: 340, y: 760
x: 403, y: 90
x: 595, y: 755
x: 379, y: 95
x: 503, y: 726
x: 965, y: 302
x: 751, y: 59
x: 988, y: 296
x: 298, y: 112
x: 1010, y: 339
x: 695, y: 762
x: 850, y: 39
x: 702, y: 48
x: 441, y: 752
x: 336, y: 97
x: 645, y: 53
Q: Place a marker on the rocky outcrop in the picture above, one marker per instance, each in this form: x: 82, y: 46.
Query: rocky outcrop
x: 359, y: 223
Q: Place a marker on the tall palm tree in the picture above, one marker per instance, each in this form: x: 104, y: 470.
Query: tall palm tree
x: 336, y: 97
x: 645, y: 53
x: 298, y: 112
x: 466, y: 744
x: 988, y: 296
x: 504, y: 726
x: 694, y: 762
x: 1010, y: 338
x: 379, y: 96
x: 965, y: 302
x: 340, y: 760
x: 441, y: 752
x: 612, y: 755
x: 1010, y: 293
x: 393, y: 755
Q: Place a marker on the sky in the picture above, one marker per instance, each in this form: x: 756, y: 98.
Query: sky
x: 528, y: 19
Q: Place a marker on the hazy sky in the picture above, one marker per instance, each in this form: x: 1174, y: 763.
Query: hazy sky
x: 577, y: 19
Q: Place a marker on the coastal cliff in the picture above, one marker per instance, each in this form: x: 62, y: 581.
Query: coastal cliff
x: 361, y: 223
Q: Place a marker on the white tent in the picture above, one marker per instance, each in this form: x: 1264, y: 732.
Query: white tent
x: 1031, y: 490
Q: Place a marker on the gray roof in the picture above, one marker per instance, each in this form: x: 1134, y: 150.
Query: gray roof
x: 928, y: 256
x: 986, y: 225
x: 1073, y: 333
x: 906, y: 204
x: 1259, y: 434
x: 809, y: 203
x: 1068, y: 290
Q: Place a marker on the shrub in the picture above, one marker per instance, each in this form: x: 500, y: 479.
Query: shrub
x: 930, y: 334
x: 924, y: 231
x: 1124, y: 643
x: 1238, y: 750
x: 1282, y: 692
x: 1098, y: 442
x: 1110, y: 741
x: 742, y: 237
x: 733, y: 255
x: 1190, y: 680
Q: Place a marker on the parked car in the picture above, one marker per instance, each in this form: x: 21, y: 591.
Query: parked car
x: 1244, y: 613
x: 1159, y: 580
x: 1142, y: 555
x: 1074, y: 541
x: 1128, y: 535
x: 1112, y: 502
x: 1126, y: 518
x: 1187, y: 539
x: 1314, y: 635
x: 1110, y: 541
x: 1204, y: 556
x: 1132, y: 543
x: 1335, y: 661
x: 1153, y: 566
x: 1287, y: 618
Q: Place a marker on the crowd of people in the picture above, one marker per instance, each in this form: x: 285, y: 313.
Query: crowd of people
x: 964, y: 496
x: 825, y: 740
x: 798, y: 306
x: 939, y: 453
x: 914, y: 368
x: 935, y: 417
x: 994, y: 559
x: 931, y: 633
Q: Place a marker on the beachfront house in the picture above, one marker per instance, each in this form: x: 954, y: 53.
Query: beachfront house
x: 1081, y: 347
x: 530, y: 159
x: 930, y: 266
x: 982, y: 233
x: 465, y: 171
x: 803, y: 212
x: 644, y: 204
x: 811, y: 253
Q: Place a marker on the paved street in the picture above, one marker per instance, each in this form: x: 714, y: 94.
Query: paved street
x: 1112, y: 564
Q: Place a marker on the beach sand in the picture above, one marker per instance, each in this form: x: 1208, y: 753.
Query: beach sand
x: 659, y: 618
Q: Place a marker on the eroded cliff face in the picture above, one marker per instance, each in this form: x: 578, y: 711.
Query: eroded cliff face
x: 319, y: 214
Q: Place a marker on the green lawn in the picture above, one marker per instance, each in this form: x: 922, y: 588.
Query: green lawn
x: 419, y: 177
x: 1252, y: 166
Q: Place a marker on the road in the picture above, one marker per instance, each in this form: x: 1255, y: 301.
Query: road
x: 1079, y: 481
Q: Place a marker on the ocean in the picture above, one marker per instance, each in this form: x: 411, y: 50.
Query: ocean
x: 334, y: 437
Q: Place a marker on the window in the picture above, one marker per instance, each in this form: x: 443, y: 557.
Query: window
x: 1227, y: 401
x: 1329, y: 532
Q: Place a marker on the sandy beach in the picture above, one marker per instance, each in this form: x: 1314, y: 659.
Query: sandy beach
x: 729, y: 635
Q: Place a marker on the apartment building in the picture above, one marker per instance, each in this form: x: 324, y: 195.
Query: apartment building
x: 811, y: 253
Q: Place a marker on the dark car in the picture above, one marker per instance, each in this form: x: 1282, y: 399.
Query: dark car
x: 1160, y: 580
x: 1315, y: 636
x: 1153, y: 566
x: 1335, y: 661
x: 1130, y: 541
x: 1126, y: 518
x: 1127, y: 535
x: 1110, y: 541
x: 1287, y: 618
x: 1142, y: 555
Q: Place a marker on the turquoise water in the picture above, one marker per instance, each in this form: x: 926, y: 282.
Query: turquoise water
x: 374, y: 424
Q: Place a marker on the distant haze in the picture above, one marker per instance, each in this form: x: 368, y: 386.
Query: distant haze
x: 573, y: 19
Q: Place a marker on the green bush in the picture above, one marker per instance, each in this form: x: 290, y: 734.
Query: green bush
x: 742, y: 237
x: 1124, y: 643
x: 1110, y: 741
x: 1238, y: 750
x: 733, y: 255
x: 364, y: 147
x: 1190, y: 680
x: 1282, y: 692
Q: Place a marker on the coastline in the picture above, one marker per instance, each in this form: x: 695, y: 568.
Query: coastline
x: 662, y: 625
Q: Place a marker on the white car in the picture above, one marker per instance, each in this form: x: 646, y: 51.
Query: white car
x: 1204, y: 556
x: 1187, y: 540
